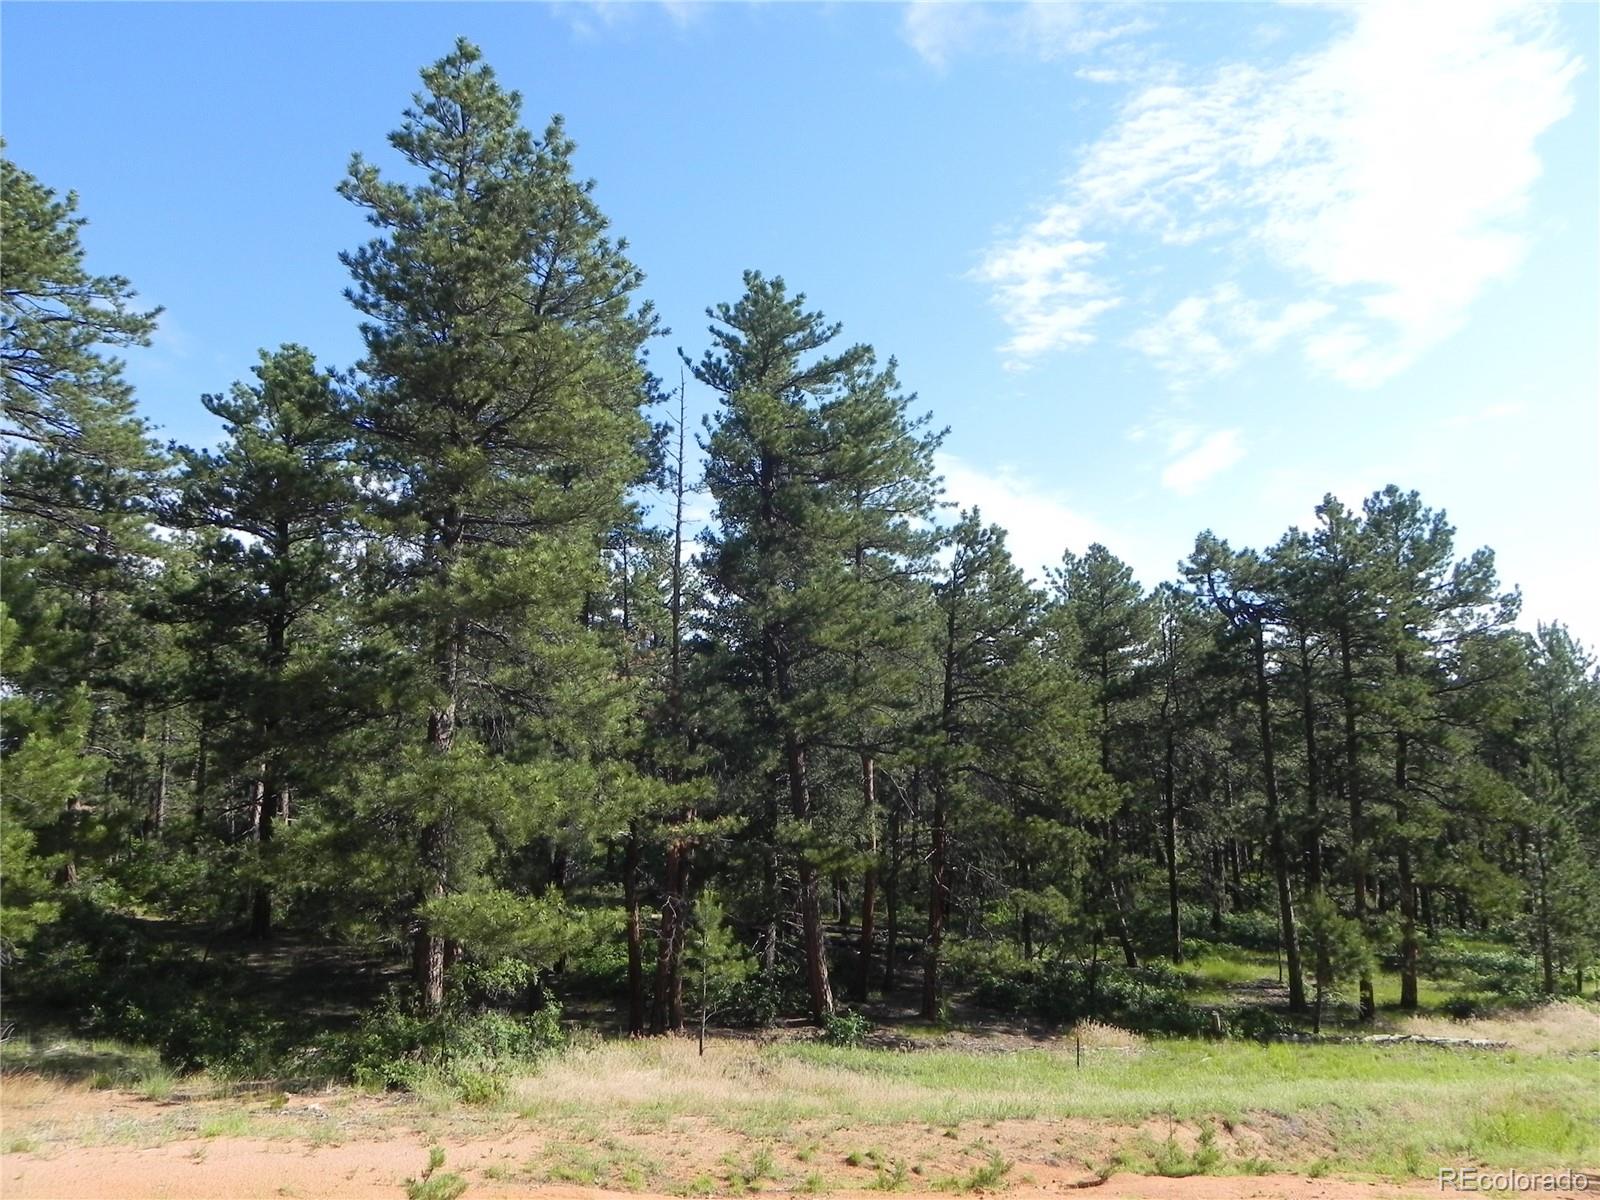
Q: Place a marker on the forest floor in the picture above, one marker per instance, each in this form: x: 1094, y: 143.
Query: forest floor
x: 939, y: 1112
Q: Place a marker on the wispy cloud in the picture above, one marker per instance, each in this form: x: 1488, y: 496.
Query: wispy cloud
x: 1382, y: 180
x: 1209, y: 333
x: 591, y: 19
x: 940, y: 30
x: 1045, y: 283
x: 1213, y: 454
x: 1039, y: 520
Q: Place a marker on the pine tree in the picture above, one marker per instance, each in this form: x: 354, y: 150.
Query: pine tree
x: 80, y: 474
x: 1106, y: 606
x: 1437, y: 613
x: 501, y: 413
x: 1236, y: 585
x: 273, y: 509
x: 64, y: 398
x: 776, y: 569
x: 1003, y: 720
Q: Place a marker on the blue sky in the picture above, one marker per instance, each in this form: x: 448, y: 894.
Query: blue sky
x: 1159, y: 267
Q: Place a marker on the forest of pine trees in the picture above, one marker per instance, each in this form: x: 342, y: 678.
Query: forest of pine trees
x: 422, y: 662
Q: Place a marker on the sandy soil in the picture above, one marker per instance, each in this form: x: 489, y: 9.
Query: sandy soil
x: 242, y: 1169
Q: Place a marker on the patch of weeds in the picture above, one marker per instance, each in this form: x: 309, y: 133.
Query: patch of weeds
x: 1411, y: 1160
x: 156, y: 1083
x: 890, y: 1176
x: 813, y: 1183
x: 20, y: 1145
x: 845, y: 1028
x: 1318, y: 1169
x: 225, y: 1124
x: 1260, y: 1166
x: 478, y: 1087
x: 806, y: 1152
x: 700, y: 1185
x: 434, y: 1184
x: 601, y: 1162
x: 744, y: 1177
x: 989, y: 1174
x: 1206, y: 1154
x: 1171, y: 1160
x: 1122, y: 1160
x: 856, y: 1158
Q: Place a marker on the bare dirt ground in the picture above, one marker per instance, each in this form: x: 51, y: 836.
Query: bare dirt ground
x: 110, y: 1145
x: 242, y: 1169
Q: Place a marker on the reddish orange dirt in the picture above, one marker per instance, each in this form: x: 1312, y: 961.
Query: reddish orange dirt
x: 246, y: 1168
x: 243, y: 1169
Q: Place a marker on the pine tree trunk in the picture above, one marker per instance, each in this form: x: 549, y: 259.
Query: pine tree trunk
x: 816, y: 950
x: 891, y: 895
x: 938, y: 897
x: 1352, y: 783
x: 869, y: 881
x: 1308, y: 719
x: 270, y: 807
x: 1408, y: 889
x: 1278, y: 843
x: 666, y: 1006
x: 1219, y: 889
x: 1547, y: 959
x: 630, y: 889
x: 427, y: 947
x: 1170, y: 828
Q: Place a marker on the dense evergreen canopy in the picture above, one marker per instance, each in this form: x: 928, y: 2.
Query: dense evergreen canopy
x: 409, y: 664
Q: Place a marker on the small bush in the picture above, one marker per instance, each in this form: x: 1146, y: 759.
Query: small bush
x: 845, y: 1028
x: 433, y: 1184
x: 760, y: 998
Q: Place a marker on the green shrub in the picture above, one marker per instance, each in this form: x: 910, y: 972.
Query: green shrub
x: 394, y: 1043
x: 845, y: 1028
x: 1149, y: 999
x: 761, y: 997
x: 433, y: 1184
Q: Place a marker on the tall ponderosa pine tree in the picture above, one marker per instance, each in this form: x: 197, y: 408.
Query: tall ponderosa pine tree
x: 819, y: 479
x: 1112, y: 619
x: 1238, y: 586
x: 80, y: 473
x: 1009, y: 732
x: 272, y: 509
x: 501, y: 422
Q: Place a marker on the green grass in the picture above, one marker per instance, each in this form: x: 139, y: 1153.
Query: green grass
x: 599, y: 1162
x: 1502, y: 1108
x: 1221, y: 972
x: 233, y: 1123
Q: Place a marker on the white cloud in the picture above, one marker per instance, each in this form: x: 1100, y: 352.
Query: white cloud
x: 591, y: 19
x: 1210, y: 333
x: 1213, y: 454
x: 1383, y: 179
x: 1044, y: 283
x: 939, y: 30
x: 1039, y: 521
